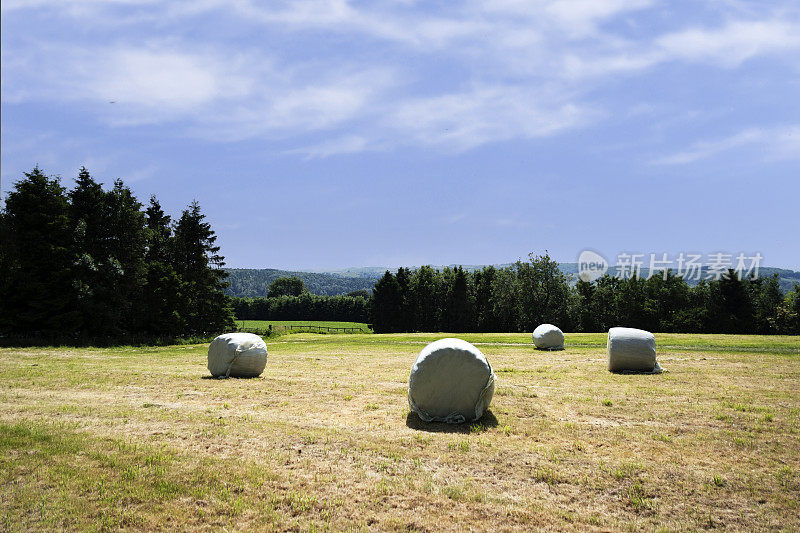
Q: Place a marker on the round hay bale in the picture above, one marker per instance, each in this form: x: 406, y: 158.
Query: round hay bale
x: 237, y: 355
x: 632, y: 350
x: 548, y: 337
x: 451, y: 381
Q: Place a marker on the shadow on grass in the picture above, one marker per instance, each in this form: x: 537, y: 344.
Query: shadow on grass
x: 488, y: 420
x: 222, y: 378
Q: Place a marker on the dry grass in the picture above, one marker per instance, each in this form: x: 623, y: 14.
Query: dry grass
x: 141, y: 439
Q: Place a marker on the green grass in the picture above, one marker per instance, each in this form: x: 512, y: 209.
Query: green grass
x: 140, y: 438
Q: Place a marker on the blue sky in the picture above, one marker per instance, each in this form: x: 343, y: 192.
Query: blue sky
x: 334, y: 134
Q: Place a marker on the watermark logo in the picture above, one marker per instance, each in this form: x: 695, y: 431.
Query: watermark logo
x: 591, y: 266
x: 689, y: 266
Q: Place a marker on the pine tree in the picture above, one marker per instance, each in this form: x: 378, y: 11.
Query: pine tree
x: 404, y: 319
x: 96, y: 275
x: 162, y: 293
x: 457, y: 310
x: 484, y: 316
x: 40, y: 297
x: 205, y: 308
x: 385, y: 310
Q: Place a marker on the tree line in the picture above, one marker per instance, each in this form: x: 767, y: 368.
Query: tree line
x: 528, y: 293
x: 88, y: 265
x: 288, y: 299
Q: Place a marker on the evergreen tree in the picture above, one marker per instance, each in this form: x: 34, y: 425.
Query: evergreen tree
x: 40, y: 297
x: 457, y: 310
x: 163, y: 289
x: 424, y: 304
x: 386, y: 305
x: 403, y: 277
x: 97, y: 275
x: 484, y: 316
x: 205, y: 307
x: 737, y: 316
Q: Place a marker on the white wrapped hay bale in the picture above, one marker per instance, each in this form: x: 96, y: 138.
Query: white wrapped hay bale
x: 632, y: 350
x: 451, y: 381
x: 237, y: 355
x: 548, y: 337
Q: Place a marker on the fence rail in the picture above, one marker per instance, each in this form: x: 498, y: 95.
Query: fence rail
x: 303, y: 327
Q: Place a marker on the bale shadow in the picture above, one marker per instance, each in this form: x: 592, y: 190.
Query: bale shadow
x: 223, y: 378
x: 488, y: 420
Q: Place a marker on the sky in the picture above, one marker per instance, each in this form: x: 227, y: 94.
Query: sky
x: 320, y: 135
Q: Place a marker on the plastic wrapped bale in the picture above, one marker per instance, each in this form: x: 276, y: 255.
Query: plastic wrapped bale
x: 548, y: 337
x: 237, y: 355
x: 632, y: 350
x: 451, y: 381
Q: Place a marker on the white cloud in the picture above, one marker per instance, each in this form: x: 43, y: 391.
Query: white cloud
x: 164, y: 79
x: 733, y: 43
x: 511, y: 69
x: 777, y: 143
x: 464, y: 120
x: 348, y: 144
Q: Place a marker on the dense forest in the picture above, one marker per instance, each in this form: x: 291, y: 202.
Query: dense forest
x: 94, y: 266
x: 528, y: 293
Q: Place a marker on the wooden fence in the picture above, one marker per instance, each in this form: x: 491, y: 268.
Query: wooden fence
x: 303, y: 327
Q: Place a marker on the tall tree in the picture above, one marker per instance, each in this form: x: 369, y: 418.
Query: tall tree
x: 457, y: 310
x: 405, y: 321
x: 39, y: 293
x: 544, y: 291
x: 386, y: 302
x: 97, y: 274
x: 737, y: 306
x: 424, y: 304
x: 163, y: 288
x: 484, y: 315
x: 587, y: 318
x: 205, y: 308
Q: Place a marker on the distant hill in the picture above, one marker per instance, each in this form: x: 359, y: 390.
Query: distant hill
x: 251, y: 282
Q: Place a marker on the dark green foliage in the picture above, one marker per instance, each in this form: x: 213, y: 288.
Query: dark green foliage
x: 528, y: 293
x: 386, y: 305
x: 360, y: 293
x: 39, y: 294
x: 287, y: 286
x: 204, y: 305
x: 163, y: 287
x: 304, y: 307
x: 91, y: 266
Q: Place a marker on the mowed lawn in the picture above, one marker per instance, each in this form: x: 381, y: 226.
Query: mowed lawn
x: 142, y: 438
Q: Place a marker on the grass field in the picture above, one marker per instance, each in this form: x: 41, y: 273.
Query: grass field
x: 283, y: 324
x: 141, y: 438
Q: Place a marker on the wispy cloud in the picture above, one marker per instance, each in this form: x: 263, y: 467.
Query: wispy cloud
x: 513, y: 69
x: 349, y: 144
x: 777, y: 143
x: 732, y: 43
x: 462, y: 121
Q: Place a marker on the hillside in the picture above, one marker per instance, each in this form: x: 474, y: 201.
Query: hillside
x: 251, y: 282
